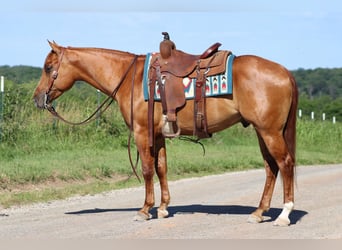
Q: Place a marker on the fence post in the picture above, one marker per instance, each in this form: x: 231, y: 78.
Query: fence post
x: 2, y: 90
x: 300, y: 113
x: 98, y: 105
x: 55, y: 119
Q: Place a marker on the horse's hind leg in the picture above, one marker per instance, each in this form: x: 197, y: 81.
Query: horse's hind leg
x: 278, y: 156
x: 161, y: 169
x: 272, y: 169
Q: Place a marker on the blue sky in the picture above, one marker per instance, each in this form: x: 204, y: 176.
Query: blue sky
x: 297, y: 34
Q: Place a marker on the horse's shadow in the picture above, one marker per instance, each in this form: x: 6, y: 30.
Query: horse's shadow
x: 271, y: 215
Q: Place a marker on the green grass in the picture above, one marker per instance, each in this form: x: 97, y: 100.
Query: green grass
x: 319, y: 142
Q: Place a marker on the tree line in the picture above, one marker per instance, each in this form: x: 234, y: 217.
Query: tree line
x: 320, y: 89
x: 20, y: 74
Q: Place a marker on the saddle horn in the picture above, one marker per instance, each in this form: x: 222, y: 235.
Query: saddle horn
x: 166, y: 46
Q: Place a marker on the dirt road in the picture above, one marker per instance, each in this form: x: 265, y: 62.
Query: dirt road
x: 212, y: 207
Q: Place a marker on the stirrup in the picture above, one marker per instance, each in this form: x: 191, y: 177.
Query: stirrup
x: 168, y: 129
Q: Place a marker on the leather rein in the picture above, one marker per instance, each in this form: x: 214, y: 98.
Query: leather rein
x: 109, y: 100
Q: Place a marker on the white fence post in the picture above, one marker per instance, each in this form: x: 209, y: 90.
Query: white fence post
x: 312, y: 115
x: 2, y: 90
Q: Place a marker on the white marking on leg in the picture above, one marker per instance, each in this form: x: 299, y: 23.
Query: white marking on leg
x: 288, y: 207
x: 283, y: 218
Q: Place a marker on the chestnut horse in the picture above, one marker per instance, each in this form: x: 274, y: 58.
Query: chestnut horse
x: 264, y: 95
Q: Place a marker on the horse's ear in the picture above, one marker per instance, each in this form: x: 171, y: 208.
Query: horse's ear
x: 54, y: 46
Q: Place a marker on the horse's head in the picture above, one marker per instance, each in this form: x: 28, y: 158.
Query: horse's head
x: 56, y: 77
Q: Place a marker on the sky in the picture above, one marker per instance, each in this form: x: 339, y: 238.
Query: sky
x: 295, y: 33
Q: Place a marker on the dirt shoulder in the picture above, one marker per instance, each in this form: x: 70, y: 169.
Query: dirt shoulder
x: 212, y: 207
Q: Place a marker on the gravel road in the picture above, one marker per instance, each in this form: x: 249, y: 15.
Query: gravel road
x: 212, y: 207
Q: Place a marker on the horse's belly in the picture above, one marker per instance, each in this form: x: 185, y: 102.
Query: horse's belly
x: 221, y: 113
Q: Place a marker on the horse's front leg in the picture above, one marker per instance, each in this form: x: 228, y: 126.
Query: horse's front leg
x: 147, y: 164
x: 161, y: 169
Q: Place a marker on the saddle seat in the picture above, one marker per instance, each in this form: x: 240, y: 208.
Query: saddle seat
x: 182, y: 64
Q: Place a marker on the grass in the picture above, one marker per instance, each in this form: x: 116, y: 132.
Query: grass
x: 319, y: 142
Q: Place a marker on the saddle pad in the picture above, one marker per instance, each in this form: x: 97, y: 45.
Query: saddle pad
x: 216, y: 85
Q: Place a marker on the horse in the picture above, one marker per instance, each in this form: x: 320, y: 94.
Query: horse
x: 265, y: 95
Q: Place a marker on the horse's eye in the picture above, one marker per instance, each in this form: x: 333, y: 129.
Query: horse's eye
x: 48, y: 68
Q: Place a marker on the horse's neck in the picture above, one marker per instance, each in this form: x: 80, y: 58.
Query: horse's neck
x: 103, y: 69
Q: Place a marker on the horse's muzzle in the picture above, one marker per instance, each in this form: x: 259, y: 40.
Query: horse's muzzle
x: 40, y: 100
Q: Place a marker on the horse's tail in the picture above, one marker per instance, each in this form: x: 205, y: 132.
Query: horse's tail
x: 290, y: 128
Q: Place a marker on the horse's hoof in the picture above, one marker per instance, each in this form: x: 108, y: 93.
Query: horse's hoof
x: 281, y: 222
x: 140, y: 216
x: 254, y: 219
x: 162, y: 213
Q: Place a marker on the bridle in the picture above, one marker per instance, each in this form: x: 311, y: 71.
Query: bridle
x: 109, y: 100
x: 53, y: 77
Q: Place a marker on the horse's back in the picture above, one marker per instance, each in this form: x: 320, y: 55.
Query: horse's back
x: 254, y: 68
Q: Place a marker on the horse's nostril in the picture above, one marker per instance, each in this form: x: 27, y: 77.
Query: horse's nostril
x: 36, y: 103
x: 39, y: 101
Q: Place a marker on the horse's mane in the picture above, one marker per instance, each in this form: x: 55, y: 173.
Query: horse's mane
x: 101, y: 50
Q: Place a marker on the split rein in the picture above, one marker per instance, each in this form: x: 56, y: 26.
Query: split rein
x: 99, y: 111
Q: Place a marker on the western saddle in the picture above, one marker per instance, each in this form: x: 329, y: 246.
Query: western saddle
x: 168, y: 68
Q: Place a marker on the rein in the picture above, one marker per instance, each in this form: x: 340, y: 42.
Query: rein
x: 99, y: 109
